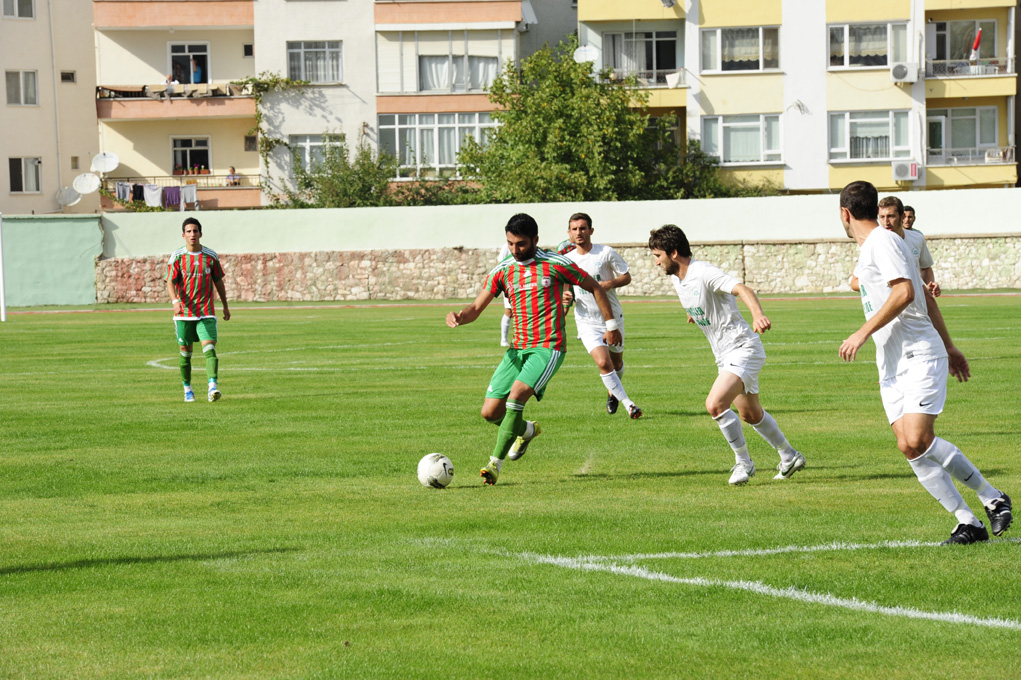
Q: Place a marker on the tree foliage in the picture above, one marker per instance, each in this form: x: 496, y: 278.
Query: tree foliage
x: 567, y: 134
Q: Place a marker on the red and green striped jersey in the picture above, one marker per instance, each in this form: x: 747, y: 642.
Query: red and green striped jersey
x: 193, y: 275
x: 535, y: 290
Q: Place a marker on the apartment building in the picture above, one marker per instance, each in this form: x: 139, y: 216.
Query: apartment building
x: 811, y: 94
x: 48, y: 121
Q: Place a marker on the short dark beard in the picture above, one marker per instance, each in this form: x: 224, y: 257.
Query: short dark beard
x: 672, y: 268
x: 525, y: 257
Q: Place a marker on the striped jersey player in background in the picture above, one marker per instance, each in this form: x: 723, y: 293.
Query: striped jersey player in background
x: 534, y: 281
x: 192, y: 273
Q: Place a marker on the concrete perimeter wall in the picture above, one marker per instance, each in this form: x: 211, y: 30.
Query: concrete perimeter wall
x: 789, y: 244
x: 51, y: 259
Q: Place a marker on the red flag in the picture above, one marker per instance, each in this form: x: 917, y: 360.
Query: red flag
x: 974, y: 48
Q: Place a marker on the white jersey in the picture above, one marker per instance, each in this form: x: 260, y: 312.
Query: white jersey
x: 602, y: 263
x: 707, y: 293
x: 920, y: 251
x: 886, y: 257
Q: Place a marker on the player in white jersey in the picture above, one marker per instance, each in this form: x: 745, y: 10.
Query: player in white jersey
x: 709, y: 297
x: 505, y: 320
x: 610, y: 271
x: 913, y: 362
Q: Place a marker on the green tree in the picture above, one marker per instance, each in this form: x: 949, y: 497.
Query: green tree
x: 340, y: 179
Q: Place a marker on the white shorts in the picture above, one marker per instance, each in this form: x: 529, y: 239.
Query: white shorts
x: 591, y: 335
x: 922, y: 388
x: 745, y: 363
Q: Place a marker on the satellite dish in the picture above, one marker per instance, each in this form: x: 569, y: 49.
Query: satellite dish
x: 107, y: 161
x: 67, y: 197
x: 85, y: 183
x: 586, y: 53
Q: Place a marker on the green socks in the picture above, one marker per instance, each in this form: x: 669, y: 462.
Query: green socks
x: 185, y: 365
x: 212, y: 363
x: 512, y: 427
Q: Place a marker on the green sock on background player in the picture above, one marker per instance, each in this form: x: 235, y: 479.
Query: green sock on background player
x: 185, y: 364
x: 212, y: 363
x: 512, y: 427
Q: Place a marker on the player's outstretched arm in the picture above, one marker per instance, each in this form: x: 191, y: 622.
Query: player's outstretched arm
x: 471, y: 312
x: 901, y: 295
x: 221, y: 290
x: 611, y: 337
x: 760, y: 322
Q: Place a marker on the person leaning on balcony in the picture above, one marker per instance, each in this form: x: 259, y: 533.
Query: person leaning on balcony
x: 233, y: 178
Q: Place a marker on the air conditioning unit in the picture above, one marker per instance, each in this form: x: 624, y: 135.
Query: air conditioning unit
x: 904, y: 72
x: 905, y: 171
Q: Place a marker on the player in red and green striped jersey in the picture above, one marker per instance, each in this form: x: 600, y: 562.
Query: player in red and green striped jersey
x: 192, y: 273
x: 534, y: 281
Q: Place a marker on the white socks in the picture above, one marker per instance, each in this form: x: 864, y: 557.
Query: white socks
x: 613, y: 384
x: 937, y: 482
x: 961, y: 469
x: 770, y: 431
x: 730, y: 425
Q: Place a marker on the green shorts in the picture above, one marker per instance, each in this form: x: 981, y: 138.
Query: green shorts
x: 534, y: 367
x: 192, y: 330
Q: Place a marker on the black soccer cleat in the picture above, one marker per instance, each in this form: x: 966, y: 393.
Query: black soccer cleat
x: 966, y: 533
x: 611, y: 404
x: 634, y: 412
x: 999, y: 515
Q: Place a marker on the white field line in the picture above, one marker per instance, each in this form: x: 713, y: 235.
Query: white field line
x: 757, y: 552
x: 760, y: 588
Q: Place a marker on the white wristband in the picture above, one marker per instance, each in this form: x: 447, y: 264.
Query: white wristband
x: 611, y: 325
x: 176, y: 300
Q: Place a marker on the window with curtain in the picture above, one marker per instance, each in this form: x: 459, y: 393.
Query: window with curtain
x: 22, y: 89
x: 26, y: 174
x: 869, y: 135
x: 427, y: 144
x: 741, y: 49
x: 743, y: 139
x: 306, y: 151
x: 456, y: 73
x: 867, y: 45
x: 955, y: 38
x: 970, y: 129
x: 646, y: 55
x: 315, y: 61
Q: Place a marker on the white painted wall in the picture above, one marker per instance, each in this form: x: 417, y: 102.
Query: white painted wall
x: 804, y: 56
x: 777, y: 218
x: 143, y: 57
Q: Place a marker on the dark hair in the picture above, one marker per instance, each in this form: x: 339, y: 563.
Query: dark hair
x: 861, y: 199
x: 669, y: 238
x: 581, y: 216
x: 892, y: 202
x: 191, y: 220
x: 908, y: 207
x: 523, y: 225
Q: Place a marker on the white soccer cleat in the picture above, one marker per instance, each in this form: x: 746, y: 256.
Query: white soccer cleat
x: 741, y: 473
x: 787, y: 470
x: 189, y: 395
x: 521, y: 443
x: 214, y: 392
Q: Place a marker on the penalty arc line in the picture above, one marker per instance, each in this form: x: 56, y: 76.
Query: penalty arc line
x: 760, y: 588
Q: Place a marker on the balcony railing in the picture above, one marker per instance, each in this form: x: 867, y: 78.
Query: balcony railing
x: 162, y: 91
x: 1002, y: 155
x: 655, y: 78
x: 201, y: 181
x: 964, y: 68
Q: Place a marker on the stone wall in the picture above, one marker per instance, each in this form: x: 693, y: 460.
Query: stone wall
x: 777, y: 267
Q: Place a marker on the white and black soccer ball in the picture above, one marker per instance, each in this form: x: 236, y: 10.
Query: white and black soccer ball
x: 435, y: 470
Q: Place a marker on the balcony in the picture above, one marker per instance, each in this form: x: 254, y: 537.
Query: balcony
x: 964, y: 68
x: 1003, y: 155
x: 162, y: 102
x: 215, y: 192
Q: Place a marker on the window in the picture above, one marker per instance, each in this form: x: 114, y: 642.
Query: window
x: 68, y: 77
x: 742, y: 139
x: 865, y: 45
x: 189, y: 62
x: 248, y: 50
x: 307, y: 150
x: 456, y: 74
x: 427, y: 144
x: 964, y: 132
x: 251, y: 143
x: 740, y: 49
x: 191, y: 152
x: 22, y: 89
x: 74, y: 162
x: 21, y: 9
x: 648, y: 55
x: 869, y: 135
x: 315, y: 61
x: 25, y: 175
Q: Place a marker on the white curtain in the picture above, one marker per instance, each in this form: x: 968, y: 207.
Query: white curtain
x: 434, y: 73
x: 322, y: 66
x: 770, y: 48
x: 870, y: 139
x: 740, y: 49
x: 867, y: 45
x: 448, y: 145
x: 742, y: 143
x: 31, y: 174
x: 483, y: 71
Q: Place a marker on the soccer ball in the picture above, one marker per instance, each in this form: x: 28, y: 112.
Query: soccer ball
x: 435, y: 470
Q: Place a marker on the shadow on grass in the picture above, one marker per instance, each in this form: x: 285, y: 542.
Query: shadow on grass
x: 154, y: 559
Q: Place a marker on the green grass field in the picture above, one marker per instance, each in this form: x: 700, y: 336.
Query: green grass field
x: 282, y: 533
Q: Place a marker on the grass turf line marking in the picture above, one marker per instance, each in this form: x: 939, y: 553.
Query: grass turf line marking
x: 760, y: 588
x: 758, y: 552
